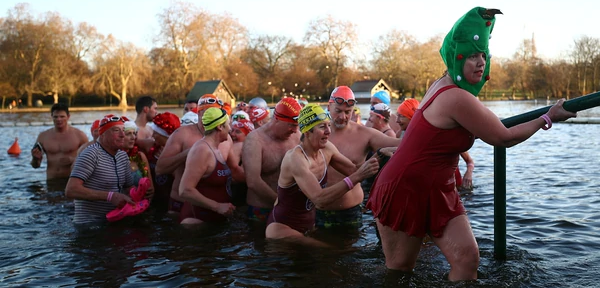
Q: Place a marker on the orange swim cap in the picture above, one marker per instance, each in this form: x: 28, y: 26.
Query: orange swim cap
x: 209, y: 100
x: 408, y: 108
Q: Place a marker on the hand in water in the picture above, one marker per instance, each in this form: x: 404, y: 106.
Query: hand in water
x: 225, y: 209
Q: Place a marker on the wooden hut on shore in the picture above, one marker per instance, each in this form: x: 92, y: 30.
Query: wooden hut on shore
x: 363, y: 90
x: 215, y: 87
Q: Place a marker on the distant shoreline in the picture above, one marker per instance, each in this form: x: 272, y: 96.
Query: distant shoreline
x: 161, y: 106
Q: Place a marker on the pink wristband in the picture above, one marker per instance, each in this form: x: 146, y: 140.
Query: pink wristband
x: 349, y: 183
x: 110, y: 194
x: 471, y: 165
x: 548, y: 122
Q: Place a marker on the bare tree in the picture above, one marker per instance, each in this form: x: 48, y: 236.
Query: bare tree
x: 266, y: 55
x: 389, y: 59
x: 26, y: 38
x: 586, y: 50
x: 335, y: 40
x: 118, y: 63
x: 183, y: 29
x: 226, y: 36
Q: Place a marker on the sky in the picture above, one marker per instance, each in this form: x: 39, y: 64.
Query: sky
x: 554, y: 24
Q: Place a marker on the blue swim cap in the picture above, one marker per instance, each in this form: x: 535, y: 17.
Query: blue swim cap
x: 384, y: 96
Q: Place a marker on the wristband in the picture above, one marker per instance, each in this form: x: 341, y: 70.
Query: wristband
x: 471, y: 165
x: 110, y: 194
x: 548, y: 122
x: 349, y: 183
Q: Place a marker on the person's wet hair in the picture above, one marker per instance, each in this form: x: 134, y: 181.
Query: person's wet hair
x: 144, y: 101
x: 60, y: 107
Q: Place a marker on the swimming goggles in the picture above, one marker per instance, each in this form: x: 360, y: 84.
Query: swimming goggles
x: 340, y: 101
x: 204, y: 101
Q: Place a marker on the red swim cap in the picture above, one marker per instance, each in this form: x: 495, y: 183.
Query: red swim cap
x: 244, y: 125
x: 95, y: 126
x: 258, y: 114
x: 343, y: 92
x: 287, y: 110
x: 109, y: 121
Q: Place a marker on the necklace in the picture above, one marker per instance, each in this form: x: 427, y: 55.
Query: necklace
x: 135, y: 157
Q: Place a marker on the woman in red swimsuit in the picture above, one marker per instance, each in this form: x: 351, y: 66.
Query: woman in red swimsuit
x: 303, y: 177
x: 205, y: 183
x: 415, y: 193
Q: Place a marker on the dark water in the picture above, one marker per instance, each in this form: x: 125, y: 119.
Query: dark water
x: 553, y: 230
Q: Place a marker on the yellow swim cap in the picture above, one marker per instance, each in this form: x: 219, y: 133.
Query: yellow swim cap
x: 310, y: 116
x: 213, y: 117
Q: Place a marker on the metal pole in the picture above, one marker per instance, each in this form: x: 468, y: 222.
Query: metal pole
x: 500, y: 203
x: 573, y: 105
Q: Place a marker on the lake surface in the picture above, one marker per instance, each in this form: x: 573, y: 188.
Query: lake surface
x: 553, y: 228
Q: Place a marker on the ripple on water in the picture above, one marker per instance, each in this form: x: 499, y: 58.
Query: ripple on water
x: 552, y: 233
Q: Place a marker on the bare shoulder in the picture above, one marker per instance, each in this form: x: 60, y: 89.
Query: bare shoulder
x: 199, y: 150
x: 80, y: 134
x: 329, y: 151
x: 180, y: 134
x: 292, y: 157
x: 46, y: 133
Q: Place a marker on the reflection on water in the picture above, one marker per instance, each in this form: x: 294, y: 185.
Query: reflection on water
x: 552, y: 224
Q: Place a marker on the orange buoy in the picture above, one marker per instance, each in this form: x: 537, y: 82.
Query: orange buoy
x: 14, y: 148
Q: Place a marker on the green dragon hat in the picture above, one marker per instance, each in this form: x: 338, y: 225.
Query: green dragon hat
x: 470, y: 34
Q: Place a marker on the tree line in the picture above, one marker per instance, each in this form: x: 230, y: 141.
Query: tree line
x: 45, y: 54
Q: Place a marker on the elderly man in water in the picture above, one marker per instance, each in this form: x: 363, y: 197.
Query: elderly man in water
x: 101, y: 176
x: 60, y: 144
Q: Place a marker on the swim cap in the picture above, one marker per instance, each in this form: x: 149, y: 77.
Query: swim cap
x: 95, y: 126
x: 213, y: 117
x: 384, y: 96
x: 189, y: 118
x: 109, y: 121
x: 227, y: 108
x: 343, y: 92
x: 258, y: 102
x: 287, y: 110
x: 209, y: 100
x: 310, y: 116
x: 382, y: 110
x: 258, y: 114
x: 408, y: 108
x: 240, y: 115
x: 241, y: 105
x: 165, y: 123
x: 303, y: 102
x: 244, y: 125
x: 130, y: 125
x: 470, y: 34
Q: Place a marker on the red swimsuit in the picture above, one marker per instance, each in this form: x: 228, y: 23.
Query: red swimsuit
x: 293, y: 208
x: 216, y: 186
x: 416, y: 192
